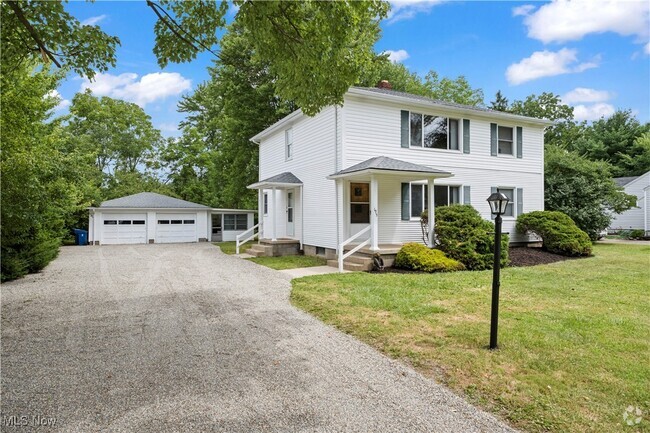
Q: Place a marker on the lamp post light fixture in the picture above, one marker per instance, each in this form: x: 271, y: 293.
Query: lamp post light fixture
x: 498, y: 204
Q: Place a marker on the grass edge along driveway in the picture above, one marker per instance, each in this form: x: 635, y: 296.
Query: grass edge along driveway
x: 574, y: 336
x: 277, y: 263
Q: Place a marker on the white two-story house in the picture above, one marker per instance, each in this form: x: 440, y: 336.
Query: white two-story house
x: 370, y: 167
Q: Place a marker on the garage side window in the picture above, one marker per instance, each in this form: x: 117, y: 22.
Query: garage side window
x: 110, y: 222
x: 188, y: 221
x: 138, y: 222
x: 163, y: 221
x: 235, y: 222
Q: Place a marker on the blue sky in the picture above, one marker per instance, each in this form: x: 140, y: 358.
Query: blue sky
x: 595, y: 54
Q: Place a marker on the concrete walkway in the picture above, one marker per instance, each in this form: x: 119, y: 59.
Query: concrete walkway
x: 176, y: 338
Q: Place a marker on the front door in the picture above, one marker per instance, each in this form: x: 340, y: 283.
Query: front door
x: 359, y: 208
x: 290, y: 213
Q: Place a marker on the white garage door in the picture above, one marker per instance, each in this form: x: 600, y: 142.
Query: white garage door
x: 123, y: 228
x: 175, y: 228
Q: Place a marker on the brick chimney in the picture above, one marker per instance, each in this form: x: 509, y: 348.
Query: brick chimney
x: 384, y: 84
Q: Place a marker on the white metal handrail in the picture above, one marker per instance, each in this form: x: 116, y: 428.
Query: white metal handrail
x: 239, y: 242
x: 342, y: 245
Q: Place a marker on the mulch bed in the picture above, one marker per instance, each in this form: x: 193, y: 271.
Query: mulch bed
x: 519, y: 257
x: 529, y: 256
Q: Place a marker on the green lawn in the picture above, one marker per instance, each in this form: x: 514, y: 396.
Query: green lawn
x: 289, y: 262
x: 284, y: 262
x: 230, y: 247
x: 574, y: 336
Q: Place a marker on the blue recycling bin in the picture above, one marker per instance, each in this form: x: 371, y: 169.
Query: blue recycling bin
x: 80, y: 237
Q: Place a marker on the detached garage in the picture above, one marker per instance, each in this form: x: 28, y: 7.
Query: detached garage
x: 148, y: 218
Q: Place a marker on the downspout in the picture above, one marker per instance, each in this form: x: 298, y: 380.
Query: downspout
x: 336, y: 169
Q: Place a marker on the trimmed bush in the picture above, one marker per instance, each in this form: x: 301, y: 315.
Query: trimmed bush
x: 633, y: 234
x: 560, y: 235
x: 418, y: 257
x: 465, y: 236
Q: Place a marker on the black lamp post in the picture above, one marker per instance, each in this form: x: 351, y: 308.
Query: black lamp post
x: 498, y: 204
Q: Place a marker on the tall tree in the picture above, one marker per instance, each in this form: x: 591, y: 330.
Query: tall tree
x: 500, y: 102
x: 619, y: 141
x: 582, y: 189
x: 118, y: 134
x: 456, y: 90
x: 41, y: 189
x: 302, y: 43
x: 237, y: 102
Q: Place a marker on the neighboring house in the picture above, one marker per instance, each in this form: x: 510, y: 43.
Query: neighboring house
x: 373, y: 164
x: 155, y: 218
x: 637, y: 217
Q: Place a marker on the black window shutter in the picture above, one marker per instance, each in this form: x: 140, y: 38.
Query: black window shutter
x: 406, y: 202
x: 493, y: 139
x: 467, y: 198
x: 520, y: 201
x: 465, y: 135
x: 494, y: 189
x: 520, y: 141
x: 405, y: 128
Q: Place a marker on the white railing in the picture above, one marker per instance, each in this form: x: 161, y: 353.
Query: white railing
x: 239, y: 242
x: 342, y: 245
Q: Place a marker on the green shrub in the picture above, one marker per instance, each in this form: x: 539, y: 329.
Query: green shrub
x: 418, y: 257
x: 465, y: 236
x: 632, y: 234
x: 560, y: 235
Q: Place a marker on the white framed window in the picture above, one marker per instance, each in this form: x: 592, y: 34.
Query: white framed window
x: 288, y: 143
x: 505, y: 140
x: 266, y: 203
x: 444, y: 195
x: 235, y: 222
x: 433, y: 132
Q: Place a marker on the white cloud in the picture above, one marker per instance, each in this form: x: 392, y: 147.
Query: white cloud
x: 593, y: 111
x: 401, y: 10
x: 397, y: 56
x: 584, y: 94
x: 63, y: 103
x: 151, y: 87
x: 93, y: 20
x: 547, y: 64
x: 571, y: 20
x: 168, y: 127
x: 523, y: 10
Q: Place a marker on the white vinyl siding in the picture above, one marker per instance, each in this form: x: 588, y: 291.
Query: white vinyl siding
x: 635, y: 218
x: 315, y: 160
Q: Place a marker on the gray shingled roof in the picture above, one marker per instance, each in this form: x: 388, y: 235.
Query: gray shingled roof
x: 390, y: 164
x: 286, y: 177
x: 426, y: 99
x: 622, y: 181
x: 150, y: 200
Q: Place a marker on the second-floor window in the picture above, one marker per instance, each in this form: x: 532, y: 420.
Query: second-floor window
x: 505, y: 140
x: 288, y: 143
x: 433, y: 132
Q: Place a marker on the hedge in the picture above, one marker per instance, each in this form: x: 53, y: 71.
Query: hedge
x: 418, y: 257
x: 560, y: 235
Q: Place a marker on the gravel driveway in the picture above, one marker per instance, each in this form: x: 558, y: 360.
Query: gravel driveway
x: 175, y: 338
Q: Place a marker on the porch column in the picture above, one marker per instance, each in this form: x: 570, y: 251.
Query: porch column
x: 340, y: 212
x: 432, y: 212
x: 273, y: 212
x: 374, y: 214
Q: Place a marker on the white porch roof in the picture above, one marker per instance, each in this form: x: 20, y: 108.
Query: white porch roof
x: 386, y: 165
x: 282, y: 180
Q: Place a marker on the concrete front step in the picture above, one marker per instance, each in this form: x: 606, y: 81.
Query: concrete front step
x: 259, y: 250
x: 349, y: 266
